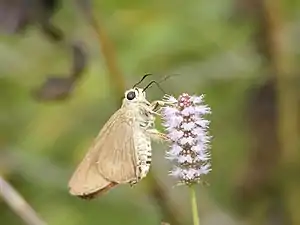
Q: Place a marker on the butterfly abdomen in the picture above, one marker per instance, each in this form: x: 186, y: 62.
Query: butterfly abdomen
x: 143, y: 153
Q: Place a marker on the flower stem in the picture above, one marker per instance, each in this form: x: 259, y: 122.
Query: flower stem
x: 194, y: 205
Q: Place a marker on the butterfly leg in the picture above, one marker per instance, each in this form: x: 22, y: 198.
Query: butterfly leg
x: 157, y: 136
x: 152, y: 109
x: 156, y: 105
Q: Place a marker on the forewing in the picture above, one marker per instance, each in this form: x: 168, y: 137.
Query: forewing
x: 116, y: 151
x: 87, y: 180
x: 109, y: 160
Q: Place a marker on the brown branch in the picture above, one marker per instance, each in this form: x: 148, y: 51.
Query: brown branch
x: 288, y: 103
x: 17, y: 203
x: 158, y: 192
x: 274, y: 121
x: 107, y: 49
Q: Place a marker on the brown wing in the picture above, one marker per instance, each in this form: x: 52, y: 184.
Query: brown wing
x: 87, y: 182
x: 105, y: 163
x: 116, y: 152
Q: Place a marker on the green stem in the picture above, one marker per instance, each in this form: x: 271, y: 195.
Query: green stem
x: 194, y: 205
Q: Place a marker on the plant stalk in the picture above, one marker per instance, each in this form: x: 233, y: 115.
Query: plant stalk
x: 195, y: 214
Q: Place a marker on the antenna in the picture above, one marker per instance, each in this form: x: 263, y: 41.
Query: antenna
x: 158, y: 83
x: 146, y: 75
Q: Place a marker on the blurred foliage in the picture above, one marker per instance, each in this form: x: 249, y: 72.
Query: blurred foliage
x: 42, y: 143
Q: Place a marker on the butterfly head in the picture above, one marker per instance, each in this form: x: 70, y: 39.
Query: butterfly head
x: 134, y: 95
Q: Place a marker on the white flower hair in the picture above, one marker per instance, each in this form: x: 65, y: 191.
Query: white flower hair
x: 187, y: 130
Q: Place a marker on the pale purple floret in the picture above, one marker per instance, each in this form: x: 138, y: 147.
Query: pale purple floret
x: 188, y: 132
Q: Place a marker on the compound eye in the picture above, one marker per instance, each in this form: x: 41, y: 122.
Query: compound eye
x: 130, y: 95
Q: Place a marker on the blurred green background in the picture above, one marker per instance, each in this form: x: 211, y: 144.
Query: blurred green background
x: 242, y: 54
